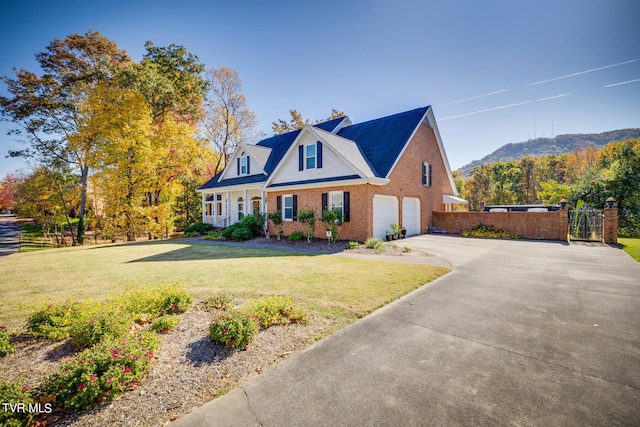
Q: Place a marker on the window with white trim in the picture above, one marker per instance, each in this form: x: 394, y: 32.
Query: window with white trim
x: 240, y: 208
x: 336, y: 202
x: 243, y: 164
x: 310, y: 156
x: 287, y: 207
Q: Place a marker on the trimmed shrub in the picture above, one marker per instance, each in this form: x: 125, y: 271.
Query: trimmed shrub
x: 490, y: 231
x: 274, y: 310
x: 354, y: 245
x: 101, y: 373
x: 145, y: 302
x: 241, y: 234
x: 233, y: 330
x: 198, y: 227
x: 295, y: 236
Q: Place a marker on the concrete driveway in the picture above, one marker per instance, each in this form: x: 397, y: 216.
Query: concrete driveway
x: 520, y: 333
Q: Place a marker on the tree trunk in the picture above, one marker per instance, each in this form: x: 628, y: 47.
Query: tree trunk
x: 84, y: 177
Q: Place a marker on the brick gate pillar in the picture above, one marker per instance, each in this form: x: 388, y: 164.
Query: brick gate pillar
x: 610, y: 226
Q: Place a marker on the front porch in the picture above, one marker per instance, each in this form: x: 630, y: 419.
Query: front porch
x: 223, y: 208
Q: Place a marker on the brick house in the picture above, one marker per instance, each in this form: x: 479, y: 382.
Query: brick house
x: 389, y: 170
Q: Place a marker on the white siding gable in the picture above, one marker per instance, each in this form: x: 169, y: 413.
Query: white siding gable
x: 333, y: 163
x: 257, y: 158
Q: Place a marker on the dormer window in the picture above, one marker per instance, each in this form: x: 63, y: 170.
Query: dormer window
x: 310, y: 156
x: 244, y: 164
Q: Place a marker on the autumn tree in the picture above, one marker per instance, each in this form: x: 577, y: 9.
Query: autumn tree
x: 297, y: 122
x: 45, y: 108
x: 227, y: 120
x: 9, y: 192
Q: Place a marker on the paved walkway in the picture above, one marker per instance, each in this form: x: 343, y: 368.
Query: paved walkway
x: 520, y: 333
x: 9, y: 235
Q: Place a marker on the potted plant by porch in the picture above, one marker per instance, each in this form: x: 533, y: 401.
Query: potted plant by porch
x: 389, y: 235
x: 404, y: 232
x: 395, y: 228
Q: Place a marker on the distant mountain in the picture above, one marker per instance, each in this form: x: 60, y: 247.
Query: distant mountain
x: 546, y: 146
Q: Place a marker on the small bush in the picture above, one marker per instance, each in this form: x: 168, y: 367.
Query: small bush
x: 374, y: 243
x: 233, y: 330
x: 274, y: 311
x: 489, y: 231
x: 214, y: 235
x: 191, y: 234
x: 14, y: 393
x: 221, y: 301
x: 253, y: 223
x: 199, y: 227
x: 101, y: 325
x: 308, y: 218
x: 165, y: 323
x: 354, y: 245
x: 241, y: 234
x: 406, y: 249
x: 148, y: 301
x: 55, y: 321
x: 295, y: 236
x: 6, y: 346
x: 102, y: 372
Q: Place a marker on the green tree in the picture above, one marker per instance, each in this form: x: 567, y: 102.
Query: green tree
x: 45, y: 108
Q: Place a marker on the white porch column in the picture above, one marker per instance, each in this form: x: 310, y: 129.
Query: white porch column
x: 264, y: 203
x: 204, y: 207
x: 228, y: 208
x: 214, y: 208
x: 245, y: 206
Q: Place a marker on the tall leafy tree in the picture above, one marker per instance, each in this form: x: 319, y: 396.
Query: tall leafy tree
x: 45, y: 108
x: 227, y: 120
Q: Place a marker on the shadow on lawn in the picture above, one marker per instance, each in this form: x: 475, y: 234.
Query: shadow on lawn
x: 195, y: 251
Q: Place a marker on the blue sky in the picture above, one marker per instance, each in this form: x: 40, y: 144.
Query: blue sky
x: 495, y: 72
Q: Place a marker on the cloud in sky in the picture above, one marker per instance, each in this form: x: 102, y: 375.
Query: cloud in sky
x: 579, y: 73
x: 623, y: 83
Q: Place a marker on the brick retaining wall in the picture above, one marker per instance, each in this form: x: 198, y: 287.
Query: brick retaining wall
x: 531, y: 225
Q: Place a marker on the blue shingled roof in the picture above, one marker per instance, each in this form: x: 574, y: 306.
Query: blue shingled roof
x: 330, y: 125
x: 381, y: 140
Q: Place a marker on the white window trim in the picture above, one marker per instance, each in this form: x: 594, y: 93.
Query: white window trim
x: 314, y: 157
x: 284, y: 198
x: 243, y: 163
x: 330, y: 197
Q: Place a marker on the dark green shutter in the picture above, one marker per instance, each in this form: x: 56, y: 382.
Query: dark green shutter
x: 238, y: 166
x: 424, y: 173
x: 295, y: 206
x: 248, y: 163
x: 346, y: 210
x: 325, y: 203
x: 430, y: 174
x: 319, y: 155
x: 301, y: 158
x: 279, y: 203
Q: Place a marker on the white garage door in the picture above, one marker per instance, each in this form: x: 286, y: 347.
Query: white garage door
x: 411, y: 215
x: 385, y: 213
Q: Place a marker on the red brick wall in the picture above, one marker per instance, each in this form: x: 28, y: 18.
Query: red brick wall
x: 405, y: 181
x: 610, y: 226
x: 531, y: 225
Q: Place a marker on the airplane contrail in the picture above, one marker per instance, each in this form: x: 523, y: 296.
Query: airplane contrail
x: 501, y: 107
x: 623, y: 83
x: 553, y: 97
x: 475, y: 97
x: 582, y: 72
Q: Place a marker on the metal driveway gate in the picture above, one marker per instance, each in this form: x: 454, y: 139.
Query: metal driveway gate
x: 586, y: 224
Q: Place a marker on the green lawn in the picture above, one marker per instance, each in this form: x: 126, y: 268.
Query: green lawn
x: 338, y: 288
x: 630, y: 245
x: 32, y: 239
